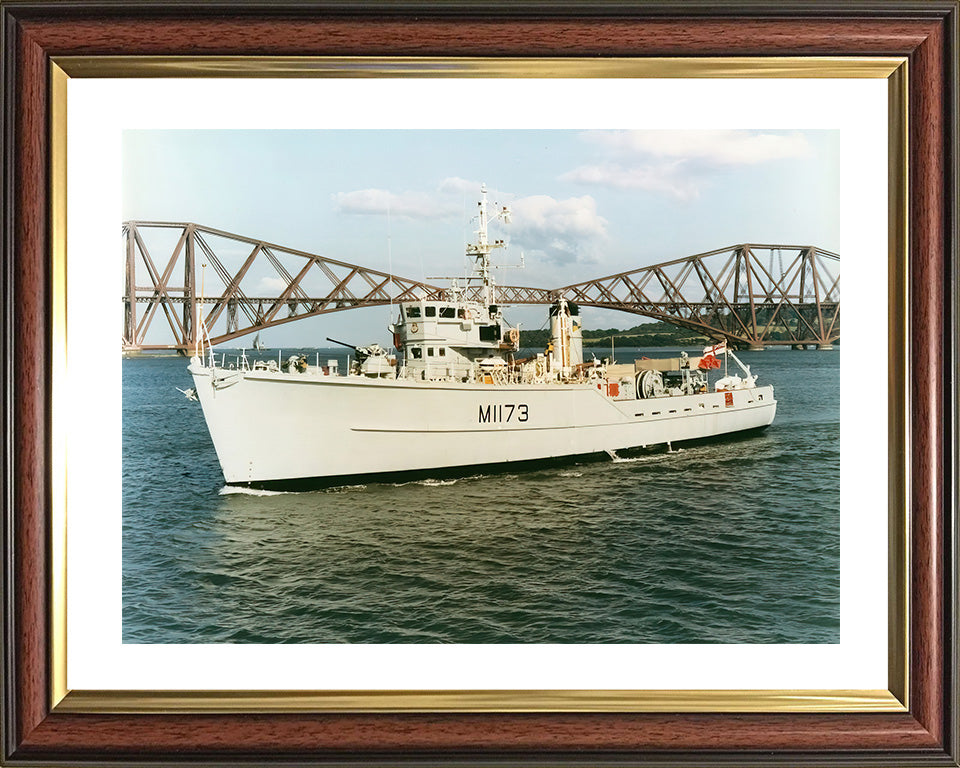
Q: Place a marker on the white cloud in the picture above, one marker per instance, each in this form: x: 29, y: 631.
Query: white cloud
x: 564, y: 231
x: 413, y: 205
x: 658, y: 177
x: 456, y: 185
x: 712, y: 147
x: 271, y: 285
x: 680, y: 163
x: 409, y: 204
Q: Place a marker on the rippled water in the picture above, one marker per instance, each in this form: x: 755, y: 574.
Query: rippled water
x: 735, y: 541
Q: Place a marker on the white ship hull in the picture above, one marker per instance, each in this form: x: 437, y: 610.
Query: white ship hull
x: 276, y: 427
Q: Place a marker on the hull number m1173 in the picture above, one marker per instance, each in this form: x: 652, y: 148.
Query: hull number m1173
x: 503, y: 413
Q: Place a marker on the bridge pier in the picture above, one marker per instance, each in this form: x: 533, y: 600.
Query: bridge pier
x: 756, y: 347
x: 825, y: 347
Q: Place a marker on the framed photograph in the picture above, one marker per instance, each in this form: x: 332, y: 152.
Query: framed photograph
x: 235, y: 581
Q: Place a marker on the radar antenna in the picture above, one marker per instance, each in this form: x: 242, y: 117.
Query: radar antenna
x: 480, y: 251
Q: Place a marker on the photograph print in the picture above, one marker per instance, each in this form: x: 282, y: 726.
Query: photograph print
x: 481, y: 386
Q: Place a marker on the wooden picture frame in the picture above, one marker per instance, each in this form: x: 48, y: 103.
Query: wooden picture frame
x: 39, y: 730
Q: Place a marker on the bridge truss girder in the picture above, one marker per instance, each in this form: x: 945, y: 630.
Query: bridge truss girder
x: 347, y: 286
x: 753, y: 295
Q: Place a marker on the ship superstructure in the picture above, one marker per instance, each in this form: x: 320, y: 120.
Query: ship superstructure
x: 455, y: 394
x: 456, y: 339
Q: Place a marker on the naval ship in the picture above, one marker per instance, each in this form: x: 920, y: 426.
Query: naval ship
x: 454, y: 395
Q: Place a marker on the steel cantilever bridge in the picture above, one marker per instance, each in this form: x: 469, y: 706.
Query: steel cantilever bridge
x: 751, y: 295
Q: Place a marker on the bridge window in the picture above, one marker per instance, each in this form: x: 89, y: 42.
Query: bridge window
x: 429, y: 351
x: 489, y: 333
x: 413, y: 311
x: 448, y: 313
x: 417, y: 352
x: 430, y: 311
x: 442, y: 352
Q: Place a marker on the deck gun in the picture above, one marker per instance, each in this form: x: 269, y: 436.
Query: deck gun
x: 371, y: 350
x: 372, y: 360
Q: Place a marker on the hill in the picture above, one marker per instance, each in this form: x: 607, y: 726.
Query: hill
x: 657, y: 334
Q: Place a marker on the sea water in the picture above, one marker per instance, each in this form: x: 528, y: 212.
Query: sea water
x: 729, y: 541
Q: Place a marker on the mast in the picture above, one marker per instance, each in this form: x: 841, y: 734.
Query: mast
x: 480, y: 251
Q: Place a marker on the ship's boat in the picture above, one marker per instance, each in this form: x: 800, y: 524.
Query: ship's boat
x: 455, y: 395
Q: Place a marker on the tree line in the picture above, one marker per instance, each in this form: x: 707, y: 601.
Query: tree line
x: 655, y: 334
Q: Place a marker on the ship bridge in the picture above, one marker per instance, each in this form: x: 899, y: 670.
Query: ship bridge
x: 751, y: 295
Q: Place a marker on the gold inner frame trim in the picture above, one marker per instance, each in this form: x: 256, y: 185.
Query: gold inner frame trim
x: 893, y: 69
x: 428, y: 66
x: 59, y: 405
x: 898, y: 382
x: 129, y: 702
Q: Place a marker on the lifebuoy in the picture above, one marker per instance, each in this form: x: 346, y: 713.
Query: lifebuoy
x: 414, y: 327
x: 514, y: 336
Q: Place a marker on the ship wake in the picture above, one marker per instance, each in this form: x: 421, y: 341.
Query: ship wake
x: 231, y: 490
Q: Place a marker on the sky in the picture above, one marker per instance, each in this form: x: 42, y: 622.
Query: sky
x: 584, y: 203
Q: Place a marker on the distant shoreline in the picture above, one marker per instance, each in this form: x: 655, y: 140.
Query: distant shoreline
x: 655, y: 335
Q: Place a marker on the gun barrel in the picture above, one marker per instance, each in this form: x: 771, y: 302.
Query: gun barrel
x: 342, y: 343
